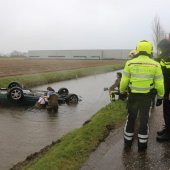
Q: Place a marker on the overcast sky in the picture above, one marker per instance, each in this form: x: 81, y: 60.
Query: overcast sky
x: 78, y: 24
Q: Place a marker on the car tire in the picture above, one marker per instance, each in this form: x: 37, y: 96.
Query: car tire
x: 72, y: 99
x: 15, y: 94
x: 14, y: 84
x: 63, y: 91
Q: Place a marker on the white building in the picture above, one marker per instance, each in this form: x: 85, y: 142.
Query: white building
x: 79, y: 54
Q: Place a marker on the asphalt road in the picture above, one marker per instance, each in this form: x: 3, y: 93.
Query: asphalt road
x: 110, y: 154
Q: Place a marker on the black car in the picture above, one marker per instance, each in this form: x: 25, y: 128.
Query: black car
x: 15, y: 94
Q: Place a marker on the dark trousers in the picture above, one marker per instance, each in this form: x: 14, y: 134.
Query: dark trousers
x: 138, y: 104
x: 166, y: 113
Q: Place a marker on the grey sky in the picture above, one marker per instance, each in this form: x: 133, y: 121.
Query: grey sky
x: 78, y: 24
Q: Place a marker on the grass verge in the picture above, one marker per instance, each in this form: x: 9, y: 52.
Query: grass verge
x: 33, y: 80
x: 73, y: 149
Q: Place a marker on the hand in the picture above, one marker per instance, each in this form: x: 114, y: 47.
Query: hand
x: 158, y: 102
x: 122, y: 96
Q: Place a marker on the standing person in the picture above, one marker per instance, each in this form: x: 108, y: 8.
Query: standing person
x: 141, y: 74
x: 164, y: 46
x: 43, y: 100
x: 114, y: 89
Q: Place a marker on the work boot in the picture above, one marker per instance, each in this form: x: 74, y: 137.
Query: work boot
x: 164, y: 137
x: 127, y: 145
x: 161, y: 132
x: 127, y: 148
x: 142, y: 147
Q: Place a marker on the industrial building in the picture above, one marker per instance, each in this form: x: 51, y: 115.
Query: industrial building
x: 80, y: 54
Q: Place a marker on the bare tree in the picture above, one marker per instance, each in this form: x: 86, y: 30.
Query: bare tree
x: 17, y: 54
x: 158, y: 33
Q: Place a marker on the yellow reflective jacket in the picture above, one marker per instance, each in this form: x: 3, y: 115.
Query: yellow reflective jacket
x: 142, y: 74
x: 166, y: 73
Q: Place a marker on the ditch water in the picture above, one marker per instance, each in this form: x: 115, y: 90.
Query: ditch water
x: 24, y: 131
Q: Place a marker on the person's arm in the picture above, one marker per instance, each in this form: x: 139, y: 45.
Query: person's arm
x: 125, y: 79
x: 48, y: 95
x: 159, y: 82
x: 116, y: 84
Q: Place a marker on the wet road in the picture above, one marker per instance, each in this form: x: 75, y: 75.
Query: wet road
x: 110, y: 155
x: 25, y: 131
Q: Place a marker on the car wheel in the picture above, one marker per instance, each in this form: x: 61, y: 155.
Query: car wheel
x: 15, y: 94
x: 63, y: 91
x: 14, y: 84
x: 72, y: 99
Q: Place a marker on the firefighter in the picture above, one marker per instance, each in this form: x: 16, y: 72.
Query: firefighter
x: 164, y: 46
x: 141, y: 74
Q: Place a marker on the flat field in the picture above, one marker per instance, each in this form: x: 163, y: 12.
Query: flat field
x: 11, y: 67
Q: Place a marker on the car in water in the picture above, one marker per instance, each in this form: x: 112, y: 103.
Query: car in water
x: 16, y: 95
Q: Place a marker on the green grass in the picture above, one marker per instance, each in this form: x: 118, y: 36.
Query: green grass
x: 33, y: 80
x: 74, y: 148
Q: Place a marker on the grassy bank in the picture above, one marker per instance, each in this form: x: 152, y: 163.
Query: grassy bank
x: 73, y: 149
x: 50, y: 77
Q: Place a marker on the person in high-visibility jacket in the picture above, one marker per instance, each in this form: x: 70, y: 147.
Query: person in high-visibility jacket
x: 141, y: 74
x: 164, y: 46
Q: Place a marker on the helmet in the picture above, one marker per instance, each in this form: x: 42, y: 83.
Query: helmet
x: 164, y: 46
x: 132, y: 54
x: 144, y: 46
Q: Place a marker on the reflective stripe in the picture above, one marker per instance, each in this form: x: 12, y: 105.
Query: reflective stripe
x: 165, y: 64
x: 143, y: 140
x: 143, y: 136
x: 159, y: 97
x: 142, y: 76
x: 126, y: 74
x: 151, y: 64
x: 139, y: 88
x: 159, y: 76
x: 128, y: 134
x: 128, y: 138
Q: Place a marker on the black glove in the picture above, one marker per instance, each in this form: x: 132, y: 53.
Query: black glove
x: 158, y: 102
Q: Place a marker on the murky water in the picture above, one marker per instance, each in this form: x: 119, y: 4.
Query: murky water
x: 25, y: 131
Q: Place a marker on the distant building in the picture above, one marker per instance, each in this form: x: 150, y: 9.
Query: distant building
x: 79, y: 54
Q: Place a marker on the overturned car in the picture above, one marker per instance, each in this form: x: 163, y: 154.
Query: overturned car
x: 15, y: 94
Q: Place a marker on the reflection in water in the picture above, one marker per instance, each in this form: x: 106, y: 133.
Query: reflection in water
x: 26, y: 130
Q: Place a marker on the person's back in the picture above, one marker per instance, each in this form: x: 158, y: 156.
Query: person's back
x: 141, y: 74
x: 53, y: 103
x: 142, y: 71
